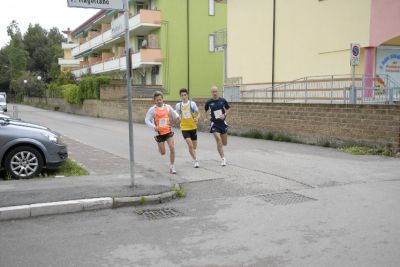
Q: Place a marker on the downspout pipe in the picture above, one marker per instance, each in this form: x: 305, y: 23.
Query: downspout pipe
x: 273, y: 49
x: 188, y: 43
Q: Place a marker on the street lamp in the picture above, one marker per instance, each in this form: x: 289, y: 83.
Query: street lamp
x: 39, y: 78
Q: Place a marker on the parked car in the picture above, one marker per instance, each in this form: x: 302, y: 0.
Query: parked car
x: 3, y: 103
x: 25, y: 148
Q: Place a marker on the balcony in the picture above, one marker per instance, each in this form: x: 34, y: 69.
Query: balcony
x: 68, y: 45
x: 141, y: 24
x: 146, y: 57
x: 68, y: 62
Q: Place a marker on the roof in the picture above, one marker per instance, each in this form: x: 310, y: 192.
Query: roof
x: 88, y: 22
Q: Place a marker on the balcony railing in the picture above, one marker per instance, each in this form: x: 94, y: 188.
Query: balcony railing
x: 63, y: 61
x: 68, y: 45
x: 142, y: 23
x: 146, y: 57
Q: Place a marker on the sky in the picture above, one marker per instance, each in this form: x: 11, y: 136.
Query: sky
x: 47, y: 13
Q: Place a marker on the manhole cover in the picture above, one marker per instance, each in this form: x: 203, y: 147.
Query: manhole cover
x: 154, y: 214
x: 285, y: 198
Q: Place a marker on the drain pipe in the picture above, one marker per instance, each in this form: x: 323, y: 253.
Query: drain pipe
x: 188, y: 43
x: 273, y: 51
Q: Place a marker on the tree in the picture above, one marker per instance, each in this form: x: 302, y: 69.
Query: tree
x: 44, y: 49
x: 17, y: 56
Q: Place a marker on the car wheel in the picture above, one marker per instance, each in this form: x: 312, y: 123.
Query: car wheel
x: 24, y: 162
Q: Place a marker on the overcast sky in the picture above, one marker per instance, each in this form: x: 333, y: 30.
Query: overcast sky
x: 48, y: 13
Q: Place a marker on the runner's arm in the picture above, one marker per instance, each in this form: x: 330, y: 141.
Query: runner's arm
x: 174, y: 114
x: 227, y: 109
x: 149, y: 120
x: 196, y: 111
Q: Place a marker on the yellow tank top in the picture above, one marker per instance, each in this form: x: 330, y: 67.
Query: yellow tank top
x: 187, y: 121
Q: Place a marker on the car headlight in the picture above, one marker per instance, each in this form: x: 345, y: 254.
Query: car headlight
x: 52, y: 137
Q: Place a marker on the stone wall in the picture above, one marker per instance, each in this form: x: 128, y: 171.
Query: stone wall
x: 376, y: 125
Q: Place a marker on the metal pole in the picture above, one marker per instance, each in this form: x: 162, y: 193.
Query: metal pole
x: 353, y: 86
x: 129, y: 86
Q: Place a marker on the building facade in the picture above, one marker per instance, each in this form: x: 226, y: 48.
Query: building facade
x: 277, y: 41
x: 169, y: 40
x: 68, y: 62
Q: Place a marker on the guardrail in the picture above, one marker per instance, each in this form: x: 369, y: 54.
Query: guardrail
x: 332, y: 89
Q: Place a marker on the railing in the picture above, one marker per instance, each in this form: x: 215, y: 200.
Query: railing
x: 144, y: 57
x: 149, y: 19
x: 332, y: 89
x: 64, y: 61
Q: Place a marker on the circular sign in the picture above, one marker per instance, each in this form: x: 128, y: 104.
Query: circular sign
x: 356, y: 51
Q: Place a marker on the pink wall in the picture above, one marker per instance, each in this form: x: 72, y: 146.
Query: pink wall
x: 385, y: 21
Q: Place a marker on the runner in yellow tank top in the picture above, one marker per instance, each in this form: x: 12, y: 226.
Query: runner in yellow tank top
x: 189, y: 113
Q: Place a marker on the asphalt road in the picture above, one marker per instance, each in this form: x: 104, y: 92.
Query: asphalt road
x: 344, y: 211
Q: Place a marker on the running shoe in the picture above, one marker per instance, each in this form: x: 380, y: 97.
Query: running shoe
x: 223, y: 162
x: 172, y: 169
x: 196, y: 164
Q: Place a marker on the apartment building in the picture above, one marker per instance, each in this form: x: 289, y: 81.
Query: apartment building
x: 68, y: 62
x: 277, y: 41
x: 170, y: 45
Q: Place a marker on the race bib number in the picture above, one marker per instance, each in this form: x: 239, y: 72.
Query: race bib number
x: 163, y: 123
x: 187, y: 115
x: 218, y: 113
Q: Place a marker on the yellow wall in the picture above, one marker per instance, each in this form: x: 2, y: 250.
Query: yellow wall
x: 312, y: 37
x: 249, y: 40
x: 67, y: 54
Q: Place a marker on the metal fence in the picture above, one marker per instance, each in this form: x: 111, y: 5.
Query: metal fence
x: 332, y: 89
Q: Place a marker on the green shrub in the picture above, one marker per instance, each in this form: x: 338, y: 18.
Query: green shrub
x: 71, y: 93
x: 55, y: 90
x: 252, y: 134
x: 282, y: 138
x: 89, y: 87
x: 269, y: 136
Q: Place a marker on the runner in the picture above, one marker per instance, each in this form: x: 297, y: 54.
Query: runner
x: 158, y: 117
x: 189, y: 113
x: 219, y: 109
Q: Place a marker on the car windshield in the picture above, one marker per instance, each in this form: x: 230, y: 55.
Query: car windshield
x: 2, y: 99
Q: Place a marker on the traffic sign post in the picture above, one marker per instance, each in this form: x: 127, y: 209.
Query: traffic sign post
x: 355, y: 50
x: 120, y: 5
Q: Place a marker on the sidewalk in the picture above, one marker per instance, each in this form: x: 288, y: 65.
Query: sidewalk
x: 108, y: 178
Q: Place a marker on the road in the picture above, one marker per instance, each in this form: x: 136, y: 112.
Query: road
x: 344, y: 210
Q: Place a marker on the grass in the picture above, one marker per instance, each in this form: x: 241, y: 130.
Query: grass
x: 353, y: 149
x: 365, y: 150
x: 179, y: 192
x: 69, y: 168
x: 142, y: 200
x: 256, y: 134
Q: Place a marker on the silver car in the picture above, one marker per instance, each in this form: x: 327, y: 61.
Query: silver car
x: 25, y: 148
x: 3, y: 103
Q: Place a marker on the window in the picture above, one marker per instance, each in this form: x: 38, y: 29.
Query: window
x: 211, y: 7
x: 140, y: 40
x: 211, y: 43
x: 139, y: 6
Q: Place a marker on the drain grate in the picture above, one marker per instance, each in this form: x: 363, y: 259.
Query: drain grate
x: 285, y: 198
x: 154, y: 214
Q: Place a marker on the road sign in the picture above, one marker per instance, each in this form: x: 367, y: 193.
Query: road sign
x: 98, y: 4
x: 355, y: 50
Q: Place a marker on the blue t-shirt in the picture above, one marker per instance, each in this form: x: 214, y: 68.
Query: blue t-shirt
x: 217, y: 107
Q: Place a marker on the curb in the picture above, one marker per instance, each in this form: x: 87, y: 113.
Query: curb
x: 69, y: 206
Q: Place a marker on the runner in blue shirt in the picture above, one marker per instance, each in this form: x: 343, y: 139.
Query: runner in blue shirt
x: 219, y: 109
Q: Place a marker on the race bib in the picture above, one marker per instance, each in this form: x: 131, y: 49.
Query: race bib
x: 218, y: 113
x: 163, y: 123
x: 187, y: 115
